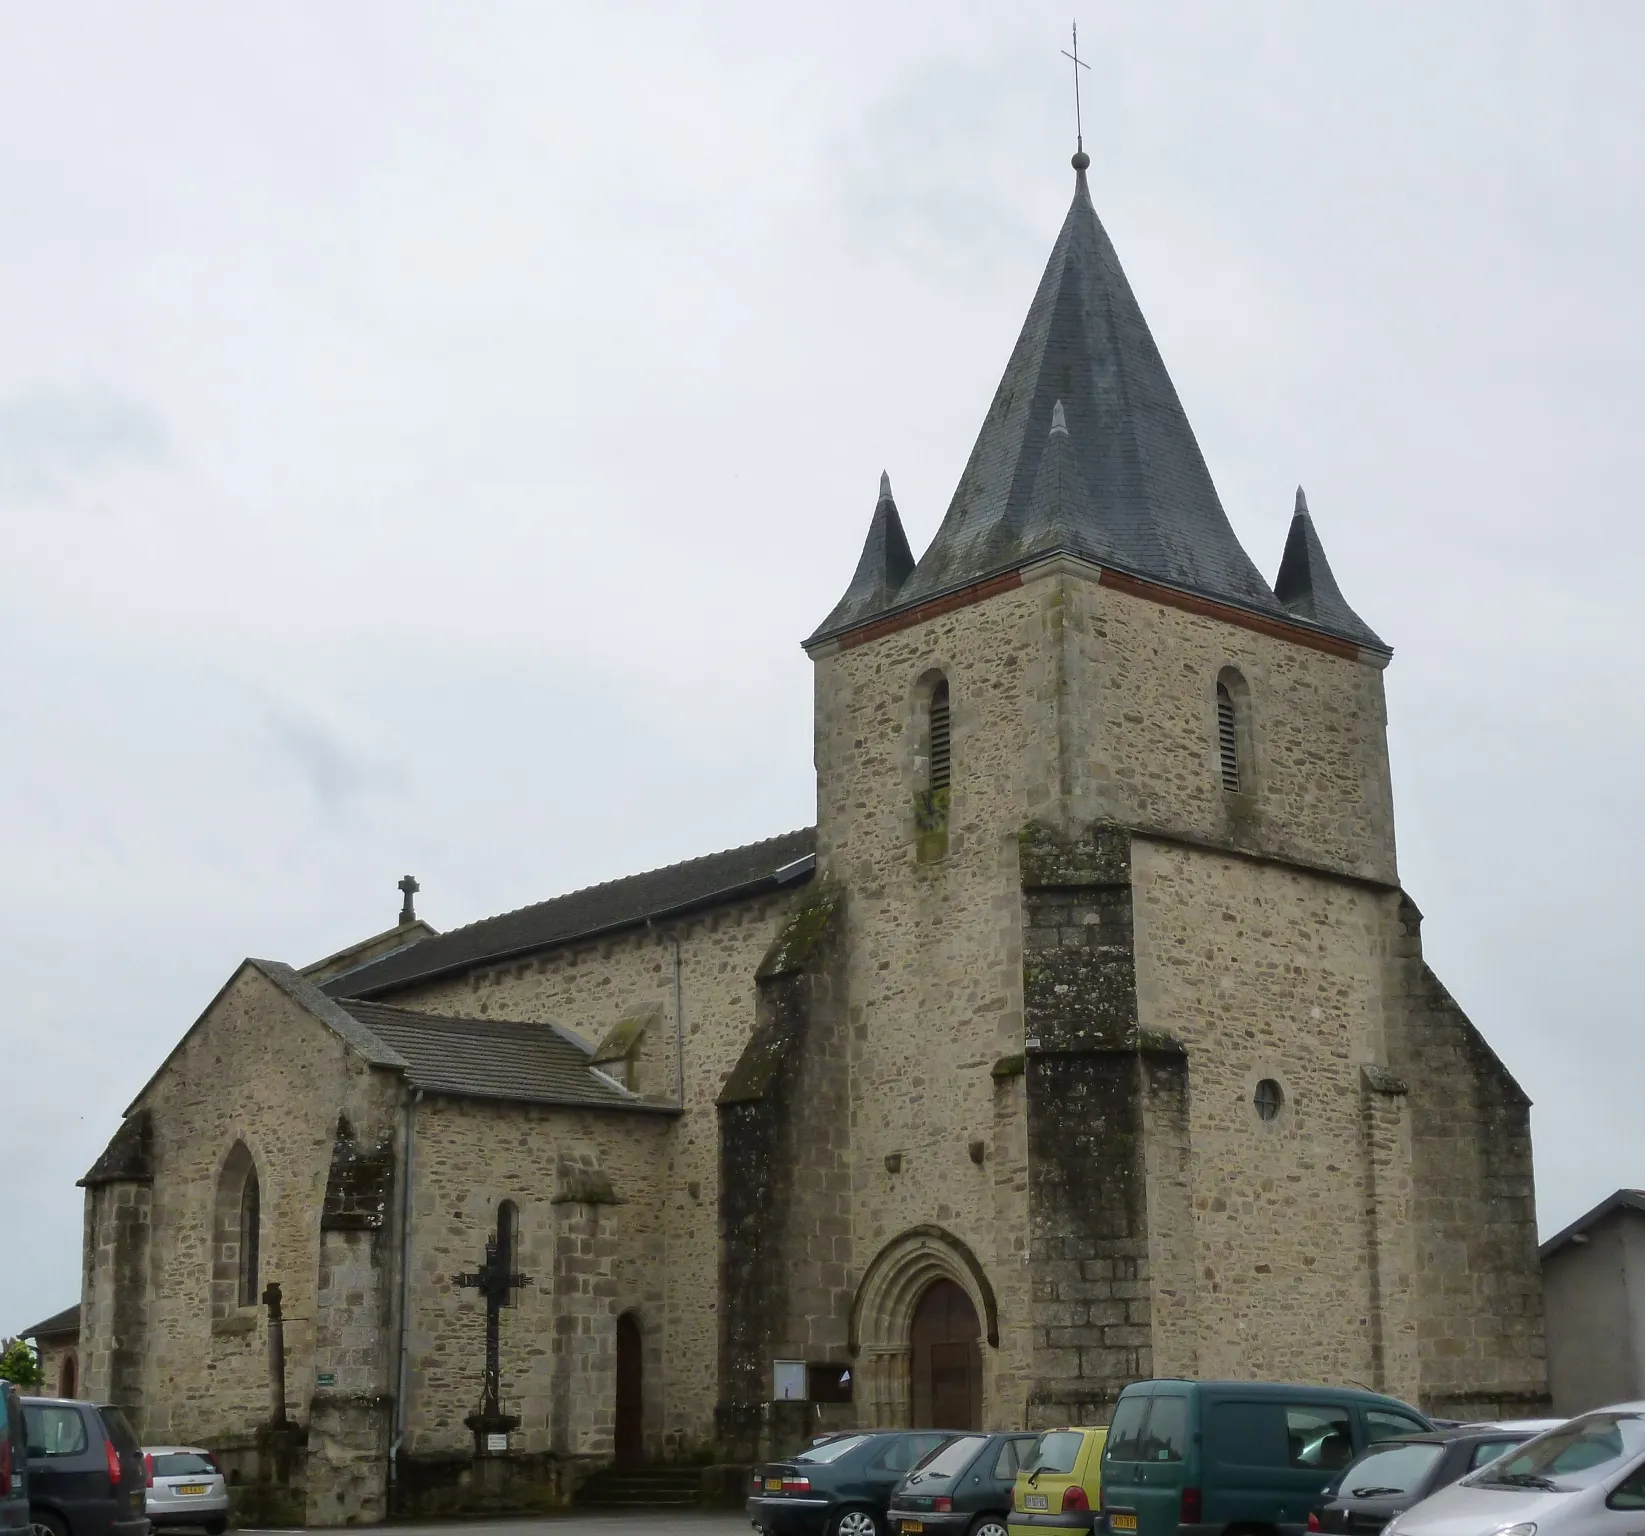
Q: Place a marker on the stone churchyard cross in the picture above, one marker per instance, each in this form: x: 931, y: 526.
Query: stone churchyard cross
x: 493, y: 1282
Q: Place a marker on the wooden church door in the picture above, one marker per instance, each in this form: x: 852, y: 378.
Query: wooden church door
x: 630, y: 1432
x: 947, y: 1360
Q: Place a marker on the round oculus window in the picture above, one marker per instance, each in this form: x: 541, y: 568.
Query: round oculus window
x: 1268, y: 1099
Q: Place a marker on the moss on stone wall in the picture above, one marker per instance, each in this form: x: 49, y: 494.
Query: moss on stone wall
x: 798, y: 949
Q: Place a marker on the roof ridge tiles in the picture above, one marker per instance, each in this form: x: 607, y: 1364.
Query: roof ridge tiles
x: 622, y: 902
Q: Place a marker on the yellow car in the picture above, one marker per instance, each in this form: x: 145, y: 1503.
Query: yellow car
x: 1060, y: 1484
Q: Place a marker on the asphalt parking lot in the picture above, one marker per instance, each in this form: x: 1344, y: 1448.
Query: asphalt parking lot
x: 719, y: 1522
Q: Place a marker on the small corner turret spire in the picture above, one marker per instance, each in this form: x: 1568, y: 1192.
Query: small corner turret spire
x: 1059, y: 420
x: 1081, y: 159
x: 408, y: 885
x: 885, y: 565
x: 1308, y: 589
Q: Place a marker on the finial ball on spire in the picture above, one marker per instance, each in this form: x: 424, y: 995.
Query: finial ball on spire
x: 1081, y: 160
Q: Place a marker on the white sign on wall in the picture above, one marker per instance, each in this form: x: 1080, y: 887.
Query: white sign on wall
x: 788, y: 1380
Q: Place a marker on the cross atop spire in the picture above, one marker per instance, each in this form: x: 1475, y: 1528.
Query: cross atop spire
x: 1081, y: 159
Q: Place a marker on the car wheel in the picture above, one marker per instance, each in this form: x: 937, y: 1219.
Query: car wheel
x: 857, y: 1522
x: 988, y: 1525
x: 216, y: 1527
x: 45, y: 1524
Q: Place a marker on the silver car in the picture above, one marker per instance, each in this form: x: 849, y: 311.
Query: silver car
x: 185, y: 1488
x: 1586, y: 1478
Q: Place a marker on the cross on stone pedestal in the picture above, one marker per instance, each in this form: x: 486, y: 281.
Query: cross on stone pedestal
x: 408, y: 884
x: 493, y: 1282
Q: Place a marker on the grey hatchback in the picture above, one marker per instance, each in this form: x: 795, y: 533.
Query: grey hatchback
x: 185, y: 1488
x: 85, y: 1470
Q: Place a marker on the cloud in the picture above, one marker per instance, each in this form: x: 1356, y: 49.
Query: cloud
x: 46, y: 439
x: 339, y: 774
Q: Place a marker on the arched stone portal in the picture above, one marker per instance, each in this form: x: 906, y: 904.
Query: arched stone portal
x: 892, y: 1292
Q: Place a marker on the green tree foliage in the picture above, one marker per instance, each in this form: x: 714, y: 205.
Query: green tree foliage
x: 19, y: 1363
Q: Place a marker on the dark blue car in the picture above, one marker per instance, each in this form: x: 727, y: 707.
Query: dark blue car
x: 963, y: 1488
x: 840, y: 1487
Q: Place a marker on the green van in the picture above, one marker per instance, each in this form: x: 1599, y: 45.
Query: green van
x: 1198, y: 1458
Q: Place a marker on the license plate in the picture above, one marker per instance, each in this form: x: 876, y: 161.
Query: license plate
x: 1036, y: 1501
x: 912, y: 1527
x: 1122, y: 1522
x: 773, y: 1485
x: 191, y: 1488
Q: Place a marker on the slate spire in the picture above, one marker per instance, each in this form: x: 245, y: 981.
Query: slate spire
x: 881, y: 571
x: 1307, y: 588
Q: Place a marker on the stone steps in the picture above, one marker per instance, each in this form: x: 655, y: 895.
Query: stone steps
x: 642, y: 1488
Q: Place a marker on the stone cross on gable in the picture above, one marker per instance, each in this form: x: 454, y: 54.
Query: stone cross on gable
x: 494, y: 1282
x: 408, y: 884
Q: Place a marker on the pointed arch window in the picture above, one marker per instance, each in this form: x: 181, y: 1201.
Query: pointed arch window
x: 1227, y: 737
x: 251, y: 1237
x: 934, y: 769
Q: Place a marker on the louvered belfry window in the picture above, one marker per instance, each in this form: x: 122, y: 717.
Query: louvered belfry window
x: 1227, y: 738
x: 941, y: 756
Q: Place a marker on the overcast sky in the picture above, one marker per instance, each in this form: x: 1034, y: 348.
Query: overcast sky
x: 427, y: 431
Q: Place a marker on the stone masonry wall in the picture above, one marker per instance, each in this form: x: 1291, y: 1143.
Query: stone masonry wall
x: 470, y: 1155
x: 592, y: 987
x: 1140, y: 733
x: 1263, y: 971
x: 1479, y: 1306
x: 1087, y: 1174
x: 934, y: 949
x: 785, y: 1201
x: 257, y: 1069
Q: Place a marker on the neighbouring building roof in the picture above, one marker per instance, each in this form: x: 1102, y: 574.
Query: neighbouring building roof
x: 524, y: 1063
x: 1085, y: 450
x: 626, y: 903
x: 1622, y: 1200
x: 60, y: 1325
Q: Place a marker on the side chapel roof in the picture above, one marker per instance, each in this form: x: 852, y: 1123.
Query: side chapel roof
x: 524, y: 1063
x: 679, y: 888
x: 1085, y: 450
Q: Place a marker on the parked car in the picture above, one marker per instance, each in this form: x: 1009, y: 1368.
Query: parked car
x: 1060, y: 1484
x: 1586, y: 1478
x: 962, y: 1488
x: 1223, y: 1454
x: 840, y: 1487
x: 14, y: 1461
x: 85, y: 1469
x: 185, y: 1488
x: 1386, y: 1479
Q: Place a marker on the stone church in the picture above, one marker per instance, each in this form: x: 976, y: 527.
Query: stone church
x: 1086, y: 1036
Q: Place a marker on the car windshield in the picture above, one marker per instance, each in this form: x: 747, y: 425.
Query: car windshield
x: 1388, y: 1470
x: 181, y: 1464
x: 951, y: 1459
x: 1577, y: 1455
x: 1057, y: 1451
x: 830, y: 1450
